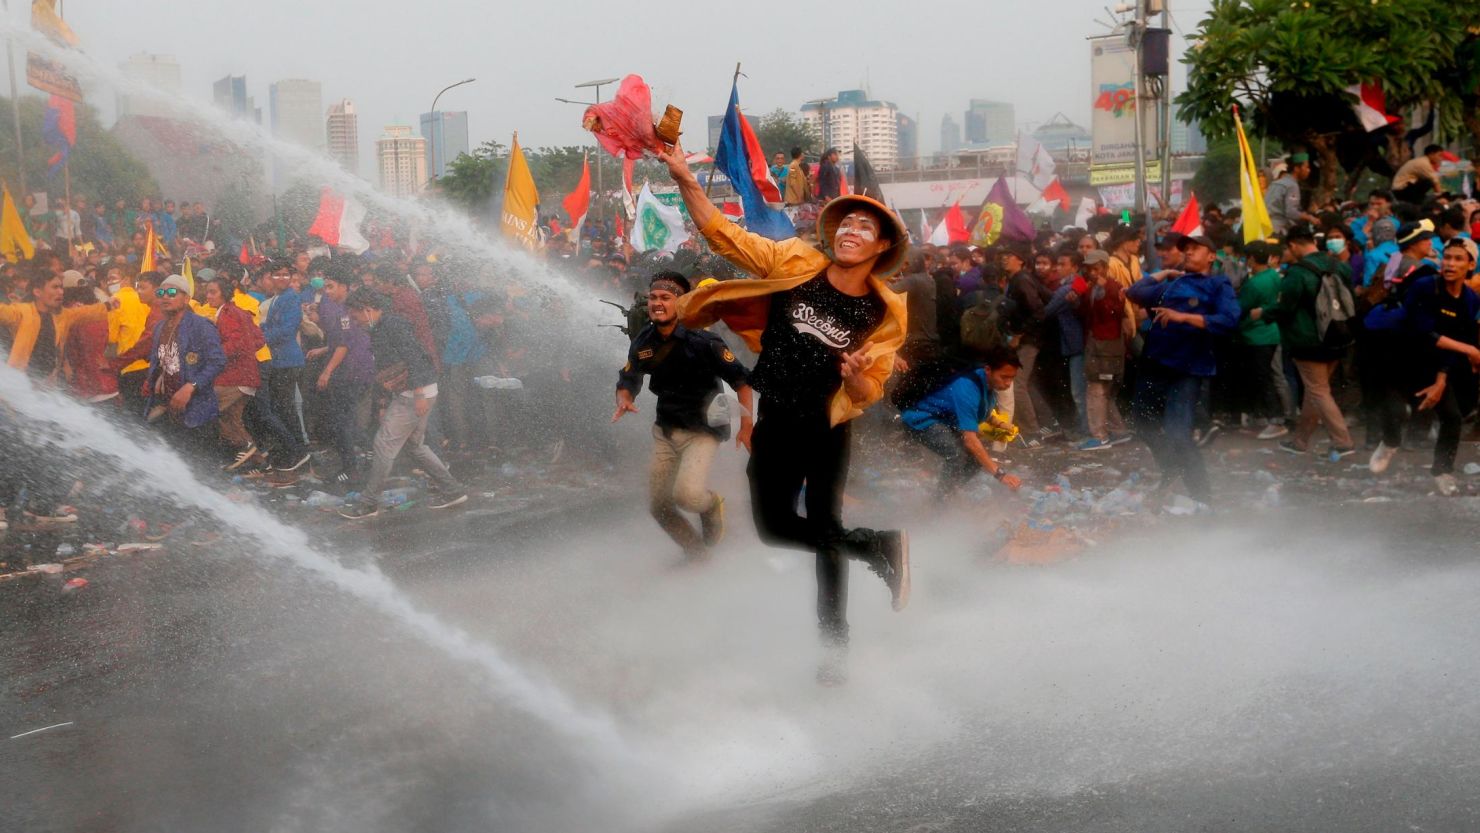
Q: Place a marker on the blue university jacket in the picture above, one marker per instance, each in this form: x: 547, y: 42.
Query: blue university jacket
x: 1184, y: 347
x: 201, y: 361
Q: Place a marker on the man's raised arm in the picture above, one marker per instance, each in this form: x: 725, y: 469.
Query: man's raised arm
x: 700, y: 208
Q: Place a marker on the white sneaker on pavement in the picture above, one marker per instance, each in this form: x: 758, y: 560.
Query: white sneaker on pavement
x: 1382, y: 457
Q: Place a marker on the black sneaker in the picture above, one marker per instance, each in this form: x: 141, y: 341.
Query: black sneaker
x: 1289, y: 447
x: 713, y: 522
x: 296, y: 466
x: 356, y: 511
x: 448, y: 500
x: 894, y: 545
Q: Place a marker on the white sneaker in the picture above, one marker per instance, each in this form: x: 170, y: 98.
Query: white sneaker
x: 1273, y: 431
x: 1381, y: 458
x: 1447, y: 485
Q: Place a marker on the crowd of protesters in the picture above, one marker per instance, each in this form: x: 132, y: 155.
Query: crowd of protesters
x: 1350, y: 312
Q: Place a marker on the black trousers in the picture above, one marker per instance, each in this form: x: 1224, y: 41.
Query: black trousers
x: 789, y: 451
x: 131, y: 391
x: 1458, y: 399
x: 282, y: 385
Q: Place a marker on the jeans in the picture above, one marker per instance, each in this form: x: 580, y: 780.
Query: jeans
x: 678, y: 479
x: 1319, y: 406
x: 956, y: 465
x: 400, y: 426
x: 791, y: 450
x: 282, y: 386
x: 1164, y: 407
x: 1458, y: 398
x: 262, y: 422
x: 1078, y: 391
x: 1261, y: 396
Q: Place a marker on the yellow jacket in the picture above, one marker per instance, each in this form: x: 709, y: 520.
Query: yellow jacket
x: 744, y: 305
x: 24, y: 323
x: 254, y: 309
x: 127, y: 324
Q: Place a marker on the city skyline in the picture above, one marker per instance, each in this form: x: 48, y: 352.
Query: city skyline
x: 923, y: 80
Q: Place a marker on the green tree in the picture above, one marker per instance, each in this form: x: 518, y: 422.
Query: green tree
x: 779, y: 131
x: 1216, y: 179
x: 1288, y: 65
x: 472, y: 178
x: 100, y: 167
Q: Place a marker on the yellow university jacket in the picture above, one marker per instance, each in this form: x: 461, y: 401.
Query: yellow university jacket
x: 24, y: 323
x: 126, y: 325
x: 245, y: 302
x: 744, y: 305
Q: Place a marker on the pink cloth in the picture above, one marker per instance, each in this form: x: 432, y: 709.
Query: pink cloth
x: 624, y: 125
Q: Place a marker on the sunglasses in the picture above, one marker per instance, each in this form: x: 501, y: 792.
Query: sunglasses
x: 166, y: 292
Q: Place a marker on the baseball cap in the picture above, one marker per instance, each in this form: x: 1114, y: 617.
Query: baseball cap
x: 1464, y: 243
x: 1261, y: 249
x: 1414, y: 232
x: 1170, y: 240
x: 1197, y: 240
x: 1094, y: 256
x: 175, y: 281
x: 72, y: 279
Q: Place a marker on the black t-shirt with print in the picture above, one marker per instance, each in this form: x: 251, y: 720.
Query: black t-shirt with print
x: 808, y: 330
x: 44, y: 354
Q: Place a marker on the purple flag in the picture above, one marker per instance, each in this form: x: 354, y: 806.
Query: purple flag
x: 1001, y: 217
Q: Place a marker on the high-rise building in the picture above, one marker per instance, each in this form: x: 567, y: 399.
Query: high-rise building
x: 990, y: 123
x: 909, y: 138
x: 950, y: 134
x: 230, y: 94
x: 852, y: 118
x: 447, y: 137
x: 1187, y: 138
x: 403, y: 161
x: 343, y: 128
x: 159, y: 71
x: 716, y: 127
x: 297, y: 107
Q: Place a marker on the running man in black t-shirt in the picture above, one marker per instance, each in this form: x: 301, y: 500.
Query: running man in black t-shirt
x: 827, y: 329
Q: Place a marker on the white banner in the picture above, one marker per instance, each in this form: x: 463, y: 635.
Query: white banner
x: 1112, y: 72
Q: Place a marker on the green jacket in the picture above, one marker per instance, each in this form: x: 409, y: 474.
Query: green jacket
x: 1260, y: 290
x: 1296, y: 311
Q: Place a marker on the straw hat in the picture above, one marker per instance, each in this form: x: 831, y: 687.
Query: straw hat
x: 833, y: 213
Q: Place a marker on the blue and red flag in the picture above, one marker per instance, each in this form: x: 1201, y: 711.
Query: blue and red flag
x: 741, y: 159
x: 59, y: 130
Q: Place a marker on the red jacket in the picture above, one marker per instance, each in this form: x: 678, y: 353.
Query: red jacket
x: 240, y: 340
x: 92, y: 373
x: 1103, y: 317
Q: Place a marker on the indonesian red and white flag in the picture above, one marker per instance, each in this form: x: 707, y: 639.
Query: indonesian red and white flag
x: 578, y: 202
x: 1371, y: 107
x: 1055, y: 193
x: 952, y: 228
x: 1190, y: 222
x: 338, y: 222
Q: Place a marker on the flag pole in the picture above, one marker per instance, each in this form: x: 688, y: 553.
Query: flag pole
x: 714, y: 166
x: 15, y: 110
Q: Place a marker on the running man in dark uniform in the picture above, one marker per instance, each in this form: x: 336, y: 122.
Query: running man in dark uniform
x: 685, y: 367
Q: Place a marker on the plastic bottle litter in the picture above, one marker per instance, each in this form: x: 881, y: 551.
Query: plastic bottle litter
x: 66, y: 550
x: 320, y: 500
x: 73, y: 584
x: 1472, y: 468
x: 48, y: 569
x: 397, y: 497
x: 1181, y: 505
x: 497, y: 383
x: 1271, y: 496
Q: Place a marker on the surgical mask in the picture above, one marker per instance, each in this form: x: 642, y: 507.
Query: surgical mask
x: 114, y: 287
x: 1336, y: 245
x: 316, y: 283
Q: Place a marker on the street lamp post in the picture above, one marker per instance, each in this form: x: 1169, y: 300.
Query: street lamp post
x: 433, y: 113
x: 597, y: 85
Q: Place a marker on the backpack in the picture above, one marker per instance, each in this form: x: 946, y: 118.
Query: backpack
x: 983, y: 325
x: 926, y: 378
x: 1335, y: 311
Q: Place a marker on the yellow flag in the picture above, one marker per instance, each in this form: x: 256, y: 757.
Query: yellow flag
x: 13, y: 237
x: 189, y: 276
x: 520, y: 220
x: 1257, y: 224
x: 151, y: 243
x: 45, y: 19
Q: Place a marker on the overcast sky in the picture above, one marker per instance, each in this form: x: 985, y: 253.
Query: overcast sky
x: 391, y: 56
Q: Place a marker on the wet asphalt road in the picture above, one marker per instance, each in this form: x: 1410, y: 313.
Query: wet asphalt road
x: 1124, y: 692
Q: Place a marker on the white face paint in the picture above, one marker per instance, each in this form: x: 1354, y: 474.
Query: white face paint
x: 859, y: 225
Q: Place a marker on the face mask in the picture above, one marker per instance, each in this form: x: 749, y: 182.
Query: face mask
x: 114, y: 287
x: 316, y: 283
x: 1336, y: 245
